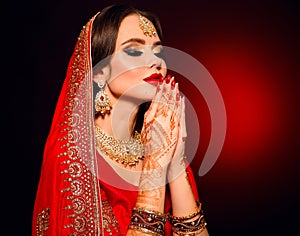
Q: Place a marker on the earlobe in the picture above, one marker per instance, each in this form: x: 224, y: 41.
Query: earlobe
x: 102, y: 74
x: 97, y: 77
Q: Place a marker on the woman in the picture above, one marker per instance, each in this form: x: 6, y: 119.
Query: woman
x: 114, y: 158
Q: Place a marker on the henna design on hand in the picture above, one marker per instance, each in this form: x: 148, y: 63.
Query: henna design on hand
x: 161, y: 125
x: 159, y: 137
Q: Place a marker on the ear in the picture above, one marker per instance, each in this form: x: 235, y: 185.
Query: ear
x: 101, y: 74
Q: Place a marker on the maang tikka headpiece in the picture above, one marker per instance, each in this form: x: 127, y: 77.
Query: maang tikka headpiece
x: 147, y: 26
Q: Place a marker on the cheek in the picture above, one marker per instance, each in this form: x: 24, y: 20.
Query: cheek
x: 126, y: 82
x: 122, y: 64
x: 126, y: 73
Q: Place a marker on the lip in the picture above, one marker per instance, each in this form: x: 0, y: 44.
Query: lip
x: 153, y: 79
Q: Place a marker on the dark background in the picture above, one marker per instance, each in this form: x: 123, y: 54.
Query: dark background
x: 251, y: 49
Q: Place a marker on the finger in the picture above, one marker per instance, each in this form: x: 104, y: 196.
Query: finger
x: 182, y: 120
x: 159, y: 91
x: 173, y: 89
x: 149, y: 115
x: 166, y: 89
x: 162, y: 101
x: 176, y: 103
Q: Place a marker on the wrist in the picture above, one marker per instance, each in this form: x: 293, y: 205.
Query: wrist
x: 152, y: 179
x: 176, y: 168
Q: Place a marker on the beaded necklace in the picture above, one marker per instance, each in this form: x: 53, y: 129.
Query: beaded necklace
x: 125, y: 152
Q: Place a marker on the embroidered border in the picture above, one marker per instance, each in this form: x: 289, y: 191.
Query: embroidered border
x: 42, y: 223
x: 110, y: 223
x: 80, y: 188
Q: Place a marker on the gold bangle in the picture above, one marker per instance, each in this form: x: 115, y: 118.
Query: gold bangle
x: 191, y: 227
x: 158, y: 213
x: 192, y: 233
x: 148, y: 221
x: 188, y: 217
x: 144, y: 230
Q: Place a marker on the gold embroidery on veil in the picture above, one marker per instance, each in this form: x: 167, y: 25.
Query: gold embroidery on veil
x: 42, y: 223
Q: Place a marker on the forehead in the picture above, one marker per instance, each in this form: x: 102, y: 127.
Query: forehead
x: 129, y: 28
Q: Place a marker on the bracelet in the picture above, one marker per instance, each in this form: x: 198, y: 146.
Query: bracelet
x: 148, y: 221
x: 193, y: 233
x: 191, y: 224
x: 188, y: 217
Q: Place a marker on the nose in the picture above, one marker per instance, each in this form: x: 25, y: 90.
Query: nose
x: 155, y: 63
x: 156, y: 66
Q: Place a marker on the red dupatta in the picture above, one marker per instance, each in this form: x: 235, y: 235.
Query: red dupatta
x: 68, y: 196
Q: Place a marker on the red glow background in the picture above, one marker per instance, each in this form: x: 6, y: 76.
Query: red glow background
x: 251, y: 50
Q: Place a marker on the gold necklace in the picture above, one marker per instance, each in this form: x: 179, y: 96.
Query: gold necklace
x: 125, y: 152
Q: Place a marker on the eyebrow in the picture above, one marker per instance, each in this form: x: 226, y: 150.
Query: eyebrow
x: 141, y: 41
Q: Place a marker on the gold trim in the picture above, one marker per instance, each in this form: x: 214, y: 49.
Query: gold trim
x: 42, y: 223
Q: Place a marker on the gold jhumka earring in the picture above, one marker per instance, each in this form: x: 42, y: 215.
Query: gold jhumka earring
x: 102, y: 102
x: 147, y: 27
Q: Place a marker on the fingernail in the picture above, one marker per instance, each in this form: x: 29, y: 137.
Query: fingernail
x: 168, y: 78
x: 173, y: 84
x: 161, y: 79
x: 177, y: 96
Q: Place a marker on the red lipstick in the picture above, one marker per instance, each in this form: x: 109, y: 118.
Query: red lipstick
x: 154, y: 79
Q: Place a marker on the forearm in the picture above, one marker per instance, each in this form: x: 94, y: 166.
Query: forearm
x: 183, y: 199
x: 151, y: 194
x: 182, y: 196
x: 150, y: 199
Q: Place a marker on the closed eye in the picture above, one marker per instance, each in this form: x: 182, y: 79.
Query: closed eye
x: 160, y: 54
x: 159, y: 51
x: 131, y: 51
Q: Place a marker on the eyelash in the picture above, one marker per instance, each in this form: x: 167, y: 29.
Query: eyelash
x: 132, y: 52
x: 160, y: 54
x: 135, y: 53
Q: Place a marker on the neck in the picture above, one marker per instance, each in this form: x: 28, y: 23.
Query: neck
x: 120, y: 122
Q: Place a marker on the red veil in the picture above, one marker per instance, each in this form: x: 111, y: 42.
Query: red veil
x: 69, y: 200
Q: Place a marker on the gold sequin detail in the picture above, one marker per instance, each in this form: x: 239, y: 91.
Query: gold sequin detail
x: 147, y: 27
x: 42, y: 222
x: 110, y: 223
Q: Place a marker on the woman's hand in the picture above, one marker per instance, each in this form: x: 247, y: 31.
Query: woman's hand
x: 161, y: 126
x: 159, y: 136
x: 178, y: 163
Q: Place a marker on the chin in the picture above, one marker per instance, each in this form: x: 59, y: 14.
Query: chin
x: 146, y: 95
x: 143, y: 92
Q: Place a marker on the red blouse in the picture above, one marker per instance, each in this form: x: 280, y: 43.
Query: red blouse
x: 118, y: 202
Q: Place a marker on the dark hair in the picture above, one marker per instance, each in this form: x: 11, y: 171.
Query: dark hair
x: 106, y: 26
x: 104, y: 36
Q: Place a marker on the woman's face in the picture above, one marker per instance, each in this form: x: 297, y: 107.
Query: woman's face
x: 137, y: 56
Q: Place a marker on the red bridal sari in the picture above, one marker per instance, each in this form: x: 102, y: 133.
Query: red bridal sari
x: 71, y: 198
